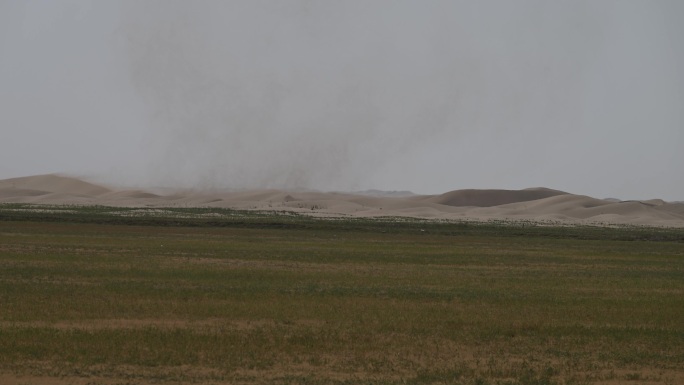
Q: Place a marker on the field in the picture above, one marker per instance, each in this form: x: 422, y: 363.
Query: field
x: 132, y: 296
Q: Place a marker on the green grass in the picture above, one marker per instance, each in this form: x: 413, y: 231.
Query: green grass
x: 238, y: 297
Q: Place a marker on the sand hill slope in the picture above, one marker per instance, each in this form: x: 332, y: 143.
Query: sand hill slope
x: 488, y: 198
x: 49, y: 187
x: 537, y: 204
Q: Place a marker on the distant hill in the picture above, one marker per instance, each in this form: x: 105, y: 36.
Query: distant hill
x: 54, y: 183
x: 533, y: 204
x: 489, y: 198
x: 382, y: 193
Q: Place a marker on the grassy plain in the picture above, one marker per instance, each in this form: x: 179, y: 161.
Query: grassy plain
x: 123, y: 296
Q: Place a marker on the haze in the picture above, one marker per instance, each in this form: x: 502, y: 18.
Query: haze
x: 428, y: 96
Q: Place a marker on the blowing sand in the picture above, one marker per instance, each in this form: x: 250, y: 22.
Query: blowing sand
x: 537, y: 204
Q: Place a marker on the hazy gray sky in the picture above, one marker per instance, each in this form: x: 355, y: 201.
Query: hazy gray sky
x: 428, y: 96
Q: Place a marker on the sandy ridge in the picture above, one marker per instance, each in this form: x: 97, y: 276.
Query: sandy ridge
x: 535, y: 204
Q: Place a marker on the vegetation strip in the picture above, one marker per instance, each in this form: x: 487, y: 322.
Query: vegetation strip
x: 220, y: 217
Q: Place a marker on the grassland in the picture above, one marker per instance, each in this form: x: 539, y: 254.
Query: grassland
x: 127, y: 296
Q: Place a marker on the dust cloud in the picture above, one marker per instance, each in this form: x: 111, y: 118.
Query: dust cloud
x: 428, y: 96
x: 289, y: 94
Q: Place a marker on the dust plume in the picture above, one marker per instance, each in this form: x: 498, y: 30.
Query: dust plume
x: 285, y: 94
x: 430, y: 96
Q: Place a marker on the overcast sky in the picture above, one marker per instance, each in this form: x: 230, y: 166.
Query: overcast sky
x: 427, y: 96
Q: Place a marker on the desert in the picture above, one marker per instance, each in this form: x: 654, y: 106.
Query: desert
x: 538, y: 205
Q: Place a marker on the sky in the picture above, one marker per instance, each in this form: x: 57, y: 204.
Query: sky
x: 427, y: 96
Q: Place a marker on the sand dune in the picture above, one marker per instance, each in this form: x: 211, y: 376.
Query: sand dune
x: 488, y: 198
x: 672, y: 208
x: 19, y: 193
x: 54, y: 184
x: 536, y: 204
